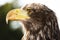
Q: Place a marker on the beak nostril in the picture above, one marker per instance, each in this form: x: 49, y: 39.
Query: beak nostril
x: 16, y: 14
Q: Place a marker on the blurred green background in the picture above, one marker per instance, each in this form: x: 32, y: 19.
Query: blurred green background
x: 6, y: 32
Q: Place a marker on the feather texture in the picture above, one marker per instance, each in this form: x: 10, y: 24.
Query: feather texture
x: 43, y: 23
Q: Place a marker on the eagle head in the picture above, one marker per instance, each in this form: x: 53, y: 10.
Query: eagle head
x: 38, y: 22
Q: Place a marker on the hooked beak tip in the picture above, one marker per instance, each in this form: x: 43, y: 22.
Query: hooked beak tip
x: 6, y: 21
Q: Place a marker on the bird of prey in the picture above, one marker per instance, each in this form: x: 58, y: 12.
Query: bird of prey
x: 38, y: 22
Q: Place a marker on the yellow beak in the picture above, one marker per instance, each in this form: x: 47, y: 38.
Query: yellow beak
x: 17, y: 14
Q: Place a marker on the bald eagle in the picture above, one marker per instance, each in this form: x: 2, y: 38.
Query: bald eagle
x: 37, y: 20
